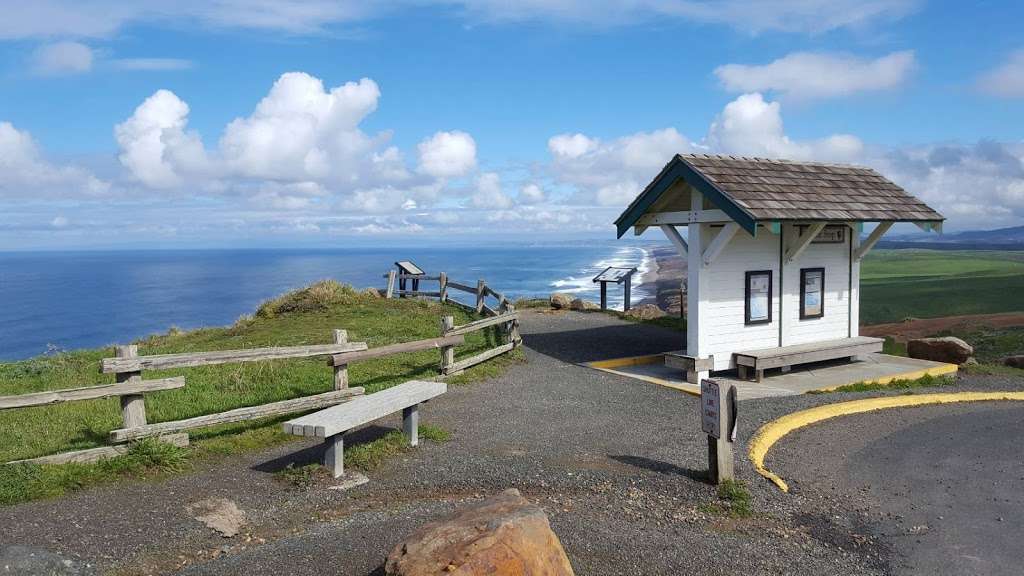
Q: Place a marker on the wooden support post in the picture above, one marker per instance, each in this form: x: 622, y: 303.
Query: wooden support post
x: 411, y: 424
x: 625, y: 306
x: 444, y: 287
x: 133, y: 406
x: 401, y: 285
x: 334, y: 455
x: 391, y: 285
x: 480, y: 293
x: 447, y: 352
x: 604, y: 295
x: 340, y: 370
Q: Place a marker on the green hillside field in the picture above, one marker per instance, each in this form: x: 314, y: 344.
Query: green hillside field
x: 909, y: 283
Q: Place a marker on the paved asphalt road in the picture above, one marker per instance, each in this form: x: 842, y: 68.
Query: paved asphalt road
x: 943, y: 485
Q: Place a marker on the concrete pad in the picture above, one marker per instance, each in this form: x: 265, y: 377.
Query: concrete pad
x: 881, y: 368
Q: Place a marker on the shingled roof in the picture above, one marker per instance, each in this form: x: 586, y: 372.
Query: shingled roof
x: 752, y: 190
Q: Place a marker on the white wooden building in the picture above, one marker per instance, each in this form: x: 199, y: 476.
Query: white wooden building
x: 773, y: 252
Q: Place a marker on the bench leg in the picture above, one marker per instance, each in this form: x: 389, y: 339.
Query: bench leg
x: 334, y: 456
x: 411, y: 424
x: 758, y: 375
x: 694, y: 377
x: 743, y: 372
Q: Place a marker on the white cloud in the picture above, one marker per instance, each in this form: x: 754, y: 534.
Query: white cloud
x: 1007, y: 80
x: 24, y: 173
x: 104, y: 18
x: 489, y: 194
x: 819, y: 75
x: 59, y: 222
x: 531, y: 194
x: 155, y: 146
x: 151, y: 63
x: 751, y: 126
x: 447, y: 154
x: 62, y: 58
x: 607, y: 172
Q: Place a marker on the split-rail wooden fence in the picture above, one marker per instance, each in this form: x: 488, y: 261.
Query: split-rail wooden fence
x: 128, y: 368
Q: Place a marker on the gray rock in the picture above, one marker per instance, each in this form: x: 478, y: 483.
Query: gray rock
x: 1014, y: 361
x: 560, y: 301
x: 944, y: 349
x: 645, y: 312
x: 26, y: 561
x: 581, y: 305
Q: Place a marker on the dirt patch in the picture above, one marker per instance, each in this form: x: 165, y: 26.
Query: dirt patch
x: 923, y: 327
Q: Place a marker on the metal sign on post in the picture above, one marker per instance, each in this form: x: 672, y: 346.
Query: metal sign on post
x: 718, y: 420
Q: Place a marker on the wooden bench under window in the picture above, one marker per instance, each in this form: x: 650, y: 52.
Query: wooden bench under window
x: 332, y: 423
x: 786, y: 356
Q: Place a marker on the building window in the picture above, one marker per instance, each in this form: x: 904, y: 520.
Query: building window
x: 758, y: 297
x: 812, y: 292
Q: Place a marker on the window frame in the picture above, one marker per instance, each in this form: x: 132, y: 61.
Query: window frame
x: 746, y: 297
x: 803, y: 294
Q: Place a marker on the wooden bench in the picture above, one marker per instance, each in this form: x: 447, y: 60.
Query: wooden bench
x: 786, y: 356
x: 331, y: 424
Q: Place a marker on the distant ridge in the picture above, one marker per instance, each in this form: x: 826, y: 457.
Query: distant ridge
x: 999, y: 239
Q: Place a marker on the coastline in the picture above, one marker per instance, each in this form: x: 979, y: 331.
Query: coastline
x: 663, y: 280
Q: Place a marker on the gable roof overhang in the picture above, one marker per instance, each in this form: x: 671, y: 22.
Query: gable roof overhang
x: 789, y: 191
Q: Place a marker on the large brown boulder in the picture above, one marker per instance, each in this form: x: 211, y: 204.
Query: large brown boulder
x: 581, y: 305
x: 1014, y: 361
x: 503, y: 535
x: 944, y: 349
x: 645, y: 312
x: 560, y: 301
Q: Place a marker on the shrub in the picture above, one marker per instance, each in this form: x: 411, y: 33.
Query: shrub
x: 316, y: 297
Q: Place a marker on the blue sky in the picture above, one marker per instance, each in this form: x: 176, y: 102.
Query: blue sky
x: 138, y: 124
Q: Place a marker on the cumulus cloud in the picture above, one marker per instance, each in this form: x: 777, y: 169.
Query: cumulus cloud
x: 751, y: 126
x: 818, y: 75
x: 155, y: 146
x: 447, y: 154
x: 151, y: 63
x: 531, y: 194
x: 607, y: 172
x: 1007, y: 80
x: 489, y: 194
x: 62, y: 58
x: 24, y: 173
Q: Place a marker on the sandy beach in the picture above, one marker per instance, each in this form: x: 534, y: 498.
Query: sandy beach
x: 664, y: 279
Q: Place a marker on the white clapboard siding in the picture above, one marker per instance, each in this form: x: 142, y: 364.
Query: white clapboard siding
x: 722, y: 322
x: 364, y: 409
x: 834, y: 258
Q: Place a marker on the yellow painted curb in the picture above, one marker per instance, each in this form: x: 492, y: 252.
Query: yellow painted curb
x: 773, y: 431
x: 610, y: 365
x: 941, y: 370
x: 628, y: 361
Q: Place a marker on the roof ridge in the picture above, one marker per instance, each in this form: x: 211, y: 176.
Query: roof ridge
x: 772, y: 160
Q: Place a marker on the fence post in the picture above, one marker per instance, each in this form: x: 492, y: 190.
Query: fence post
x: 443, y: 289
x: 133, y: 406
x: 447, y: 352
x: 340, y: 370
x: 479, y: 296
x: 391, y: 285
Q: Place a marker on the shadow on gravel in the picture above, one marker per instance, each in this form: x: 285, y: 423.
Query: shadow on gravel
x: 662, y: 467
x: 315, y: 454
x: 602, y: 343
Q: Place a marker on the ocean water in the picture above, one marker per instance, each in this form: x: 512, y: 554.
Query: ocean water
x: 67, y: 300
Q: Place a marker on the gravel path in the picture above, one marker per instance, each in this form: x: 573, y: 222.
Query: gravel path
x: 617, y: 464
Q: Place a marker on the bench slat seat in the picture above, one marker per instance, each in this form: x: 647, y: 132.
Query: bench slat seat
x: 785, y: 356
x: 332, y: 423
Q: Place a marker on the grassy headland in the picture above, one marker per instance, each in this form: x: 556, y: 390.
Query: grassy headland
x: 306, y: 316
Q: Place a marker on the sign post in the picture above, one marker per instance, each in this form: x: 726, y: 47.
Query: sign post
x: 718, y: 421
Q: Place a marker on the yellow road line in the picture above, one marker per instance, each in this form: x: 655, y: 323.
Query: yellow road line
x: 773, y: 431
x: 940, y: 370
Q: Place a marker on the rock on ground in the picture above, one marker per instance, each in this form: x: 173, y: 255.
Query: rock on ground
x: 944, y: 349
x: 1014, y: 361
x: 219, y: 514
x: 560, y: 301
x: 581, y: 305
x: 645, y: 312
x: 37, y: 562
x: 503, y: 535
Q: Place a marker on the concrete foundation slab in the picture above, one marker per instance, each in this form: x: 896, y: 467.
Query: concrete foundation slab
x: 880, y: 368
